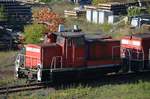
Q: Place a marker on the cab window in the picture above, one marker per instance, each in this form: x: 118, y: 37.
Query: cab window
x: 79, y: 41
x: 69, y: 41
x: 60, y: 40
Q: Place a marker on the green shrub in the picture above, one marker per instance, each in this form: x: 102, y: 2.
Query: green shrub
x: 33, y: 33
x: 2, y: 14
x: 46, y: 1
x: 106, y: 27
x: 105, y: 1
x: 95, y: 2
x: 134, y: 11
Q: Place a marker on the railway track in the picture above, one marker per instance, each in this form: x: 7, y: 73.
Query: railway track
x: 26, y: 87
x: 112, y: 78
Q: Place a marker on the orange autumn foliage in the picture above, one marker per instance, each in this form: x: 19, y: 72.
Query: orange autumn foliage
x: 48, y: 18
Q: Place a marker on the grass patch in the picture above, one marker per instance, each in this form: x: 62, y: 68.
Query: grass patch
x: 7, y: 77
x: 140, y: 90
x: 7, y: 58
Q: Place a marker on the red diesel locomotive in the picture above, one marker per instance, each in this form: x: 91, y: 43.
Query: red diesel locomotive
x: 76, y: 55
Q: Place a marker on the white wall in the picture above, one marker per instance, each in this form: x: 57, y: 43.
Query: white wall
x: 95, y: 16
x: 89, y: 14
x: 99, y: 16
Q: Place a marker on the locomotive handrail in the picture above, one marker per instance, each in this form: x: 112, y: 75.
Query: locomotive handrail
x: 138, y: 52
x: 123, y: 50
x: 18, y: 58
x: 138, y: 59
x: 129, y: 59
x: 130, y: 52
x: 54, y: 60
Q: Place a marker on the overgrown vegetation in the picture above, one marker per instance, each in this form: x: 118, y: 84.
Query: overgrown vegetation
x: 2, y: 14
x: 33, y: 33
x: 59, y: 8
x: 134, y: 11
x: 105, y: 1
x: 47, y: 1
x: 138, y: 90
x: 7, y: 60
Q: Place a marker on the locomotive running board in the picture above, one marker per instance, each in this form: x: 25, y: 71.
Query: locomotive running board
x: 71, y: 74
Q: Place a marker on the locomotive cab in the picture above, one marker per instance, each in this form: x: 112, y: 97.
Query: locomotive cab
x: 73, y: 48
x: 66, y: 52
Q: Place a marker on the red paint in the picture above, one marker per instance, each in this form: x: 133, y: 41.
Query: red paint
x: 78, y: 56
x: 92, y: 63
x: 137, y: 42
x: 48, y: 51
x: 41, y: 54
x: 32, y: 56
x: 109, y: 46
x: 73, y: 53
x: 96, y: 50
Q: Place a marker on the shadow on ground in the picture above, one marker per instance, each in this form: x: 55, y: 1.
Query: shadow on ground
x: 131, y: 78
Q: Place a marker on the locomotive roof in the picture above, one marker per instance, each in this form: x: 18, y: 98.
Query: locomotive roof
x: 141, y: 35
x: 69, y: 34
x: 97, y: 37
x: 48, y: 45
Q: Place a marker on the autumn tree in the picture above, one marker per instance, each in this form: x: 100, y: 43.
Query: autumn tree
x: 49, y: 18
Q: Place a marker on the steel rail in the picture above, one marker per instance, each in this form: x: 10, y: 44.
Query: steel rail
x: 25, y: 87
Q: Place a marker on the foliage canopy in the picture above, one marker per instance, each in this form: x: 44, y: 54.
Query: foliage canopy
x: 134, y: 11
x: 46, y: 1
x: 105, y: 1
x: 2, y: 13
x: 49, y: 18
x: 33, y: 33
